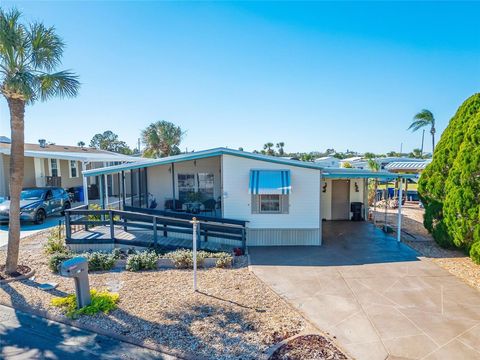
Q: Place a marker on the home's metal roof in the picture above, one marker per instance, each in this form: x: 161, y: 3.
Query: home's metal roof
x: 351, y: 173
x: 407, y: 165
x: 102, y: 156
x: 145, y: 163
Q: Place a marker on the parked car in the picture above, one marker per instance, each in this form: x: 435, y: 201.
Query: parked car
x: 38, y: 203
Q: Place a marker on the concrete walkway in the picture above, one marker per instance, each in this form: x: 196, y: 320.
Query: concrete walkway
x: 375, y: 295
x: 23, y: 336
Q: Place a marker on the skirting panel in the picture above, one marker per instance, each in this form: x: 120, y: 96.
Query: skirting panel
x: 278, y: 237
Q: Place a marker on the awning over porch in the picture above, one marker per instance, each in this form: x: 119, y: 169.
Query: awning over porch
x: 270, y: 182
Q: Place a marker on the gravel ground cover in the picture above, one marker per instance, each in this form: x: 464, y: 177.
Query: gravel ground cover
x: 455, y: 261
x: 308, y: 347
x: 233, y: 316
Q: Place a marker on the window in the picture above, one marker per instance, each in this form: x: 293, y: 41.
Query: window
x: 73, y: 169
x: 54, y: 168
x: 186, y: 186
x: 205, y: 185
x: 270, y: 204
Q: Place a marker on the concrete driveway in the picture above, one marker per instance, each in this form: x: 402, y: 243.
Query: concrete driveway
x: 375, y: 295
x: 28, y: 229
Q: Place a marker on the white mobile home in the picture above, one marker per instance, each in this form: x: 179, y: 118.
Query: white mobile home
x: 282, y: 201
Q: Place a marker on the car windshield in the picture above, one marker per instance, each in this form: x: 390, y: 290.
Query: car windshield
x: 32, y: 194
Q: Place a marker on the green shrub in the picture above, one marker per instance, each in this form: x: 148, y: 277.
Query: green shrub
x: 183, y: 258
x: 100, y: 261
x: 224, y: 261
x: 449, y: 184
x: 146, y: 260
x: 102, y: 301
x: 475, y: 253
x: 57, y: 258
x: 55, y: 242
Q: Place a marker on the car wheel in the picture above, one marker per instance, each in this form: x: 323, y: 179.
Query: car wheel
x: 66, y: 207
x: 40, y: 216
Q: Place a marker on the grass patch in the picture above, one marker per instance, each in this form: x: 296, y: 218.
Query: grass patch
x: 102, y: 301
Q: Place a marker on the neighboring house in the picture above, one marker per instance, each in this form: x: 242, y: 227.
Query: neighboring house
x: 328, y: 162
x: 351, y: 160
x: 408, y: 166
x: 362, y: 163
x: 55, y: 165
x: 284, y: 201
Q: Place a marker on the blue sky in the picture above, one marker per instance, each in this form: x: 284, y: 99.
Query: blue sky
x: 314, y: 75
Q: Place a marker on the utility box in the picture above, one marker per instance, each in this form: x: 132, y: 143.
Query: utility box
x: 77, y: 268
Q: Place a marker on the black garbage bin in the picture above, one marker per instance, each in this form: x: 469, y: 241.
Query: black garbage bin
x: 356, y: 209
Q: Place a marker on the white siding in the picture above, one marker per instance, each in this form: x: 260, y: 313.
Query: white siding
x: 304, y: 211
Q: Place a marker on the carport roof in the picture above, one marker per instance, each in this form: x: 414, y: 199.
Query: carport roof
x: 345, y: 173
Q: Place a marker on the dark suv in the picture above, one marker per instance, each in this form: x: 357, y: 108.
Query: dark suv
x: 38, y: 203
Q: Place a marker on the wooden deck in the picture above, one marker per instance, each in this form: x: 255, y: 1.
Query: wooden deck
x: 101, y: 235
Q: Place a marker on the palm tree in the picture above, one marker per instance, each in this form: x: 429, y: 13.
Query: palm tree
x: 29, y: 55
x: 161, y: 139
x: 280, y: 147
x: 81, y: 144
x: 268, y: 148
x: 423, y: 119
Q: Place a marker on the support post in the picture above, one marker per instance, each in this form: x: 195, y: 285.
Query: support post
x: 106, y: 189
x: 155, y: 234
x: 85, y: 188
x: 102, y: 199
x: 244, y: 241
x: 173, y: 188
x: 112, y: 225
x: 124, y: 195
x: 68, y: 229
x: 400, y: 197
x: 194, y: 223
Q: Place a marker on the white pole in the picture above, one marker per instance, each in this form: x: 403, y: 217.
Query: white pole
x: 194, y: 222
x: 85, y: 185
x: 400, y: 197
x: 106, y: 190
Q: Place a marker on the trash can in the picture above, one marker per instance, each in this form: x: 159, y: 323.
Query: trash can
x: 81, y: 196
x: 356, y: 209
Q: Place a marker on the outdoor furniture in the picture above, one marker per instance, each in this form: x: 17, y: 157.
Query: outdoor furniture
x: 209, y: 206
x: 194, y: 207
x: 169, y: 205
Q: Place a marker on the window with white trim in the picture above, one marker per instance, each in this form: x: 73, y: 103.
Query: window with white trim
x: 54, y: 167
x: 73, y: 169
x: 270, y: 204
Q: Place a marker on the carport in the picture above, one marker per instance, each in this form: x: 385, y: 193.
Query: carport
x: 340, y: 180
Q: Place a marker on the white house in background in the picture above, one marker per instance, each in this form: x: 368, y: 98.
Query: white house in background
x: 283, y: 201
x: 328, y: 162
x: 56, y: 165
x: 351, y: 160
x: 362, y: 163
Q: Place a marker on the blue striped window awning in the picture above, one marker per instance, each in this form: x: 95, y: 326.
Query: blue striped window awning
x: 270, y: 182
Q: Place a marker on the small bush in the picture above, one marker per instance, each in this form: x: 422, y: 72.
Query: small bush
x: 100, y: 261
x: 224, y: 261
x: 183, y: 259
x: 57, y: 258
x: 102, y: 301
x: 475, y: 252
x: 146, y: 260
x: 55, y: 242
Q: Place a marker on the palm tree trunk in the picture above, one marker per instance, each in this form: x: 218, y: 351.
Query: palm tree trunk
x: 433, y: 142
x: 17, y: 113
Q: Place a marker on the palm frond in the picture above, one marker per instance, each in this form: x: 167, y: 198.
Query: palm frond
x: 422, y: 119
x: 61, y: 84
x: 46, y: 47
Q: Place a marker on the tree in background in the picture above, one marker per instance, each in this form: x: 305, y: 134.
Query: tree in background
x: 416, y: 154
x: 81, y: 144
x: 29, y: 57
x: 431, y: 186
x: 347, y: 165
x: 372, y: 196
x: 161, y: 139
x: 369, y: 155
x: 423, y: 119
x: 280, y: 146
x: 268, y: 149
x: 109, y: 141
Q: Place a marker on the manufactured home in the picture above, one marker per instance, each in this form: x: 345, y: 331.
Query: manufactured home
x: 280, y: 201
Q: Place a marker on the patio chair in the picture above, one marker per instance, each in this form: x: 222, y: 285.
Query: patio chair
x: 169, y: 205
x: 209, y: 206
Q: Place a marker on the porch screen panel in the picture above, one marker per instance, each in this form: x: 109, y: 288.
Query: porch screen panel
x: 270, y: 182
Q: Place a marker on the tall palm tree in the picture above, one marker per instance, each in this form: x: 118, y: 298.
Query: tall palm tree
x: 161, y: 139
x: 268, y: 149
x: 423, y: 119
x: 280, y: 147
x: 29, y: 56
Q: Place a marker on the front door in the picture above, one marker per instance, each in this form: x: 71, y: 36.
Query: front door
x: 340, y: 199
